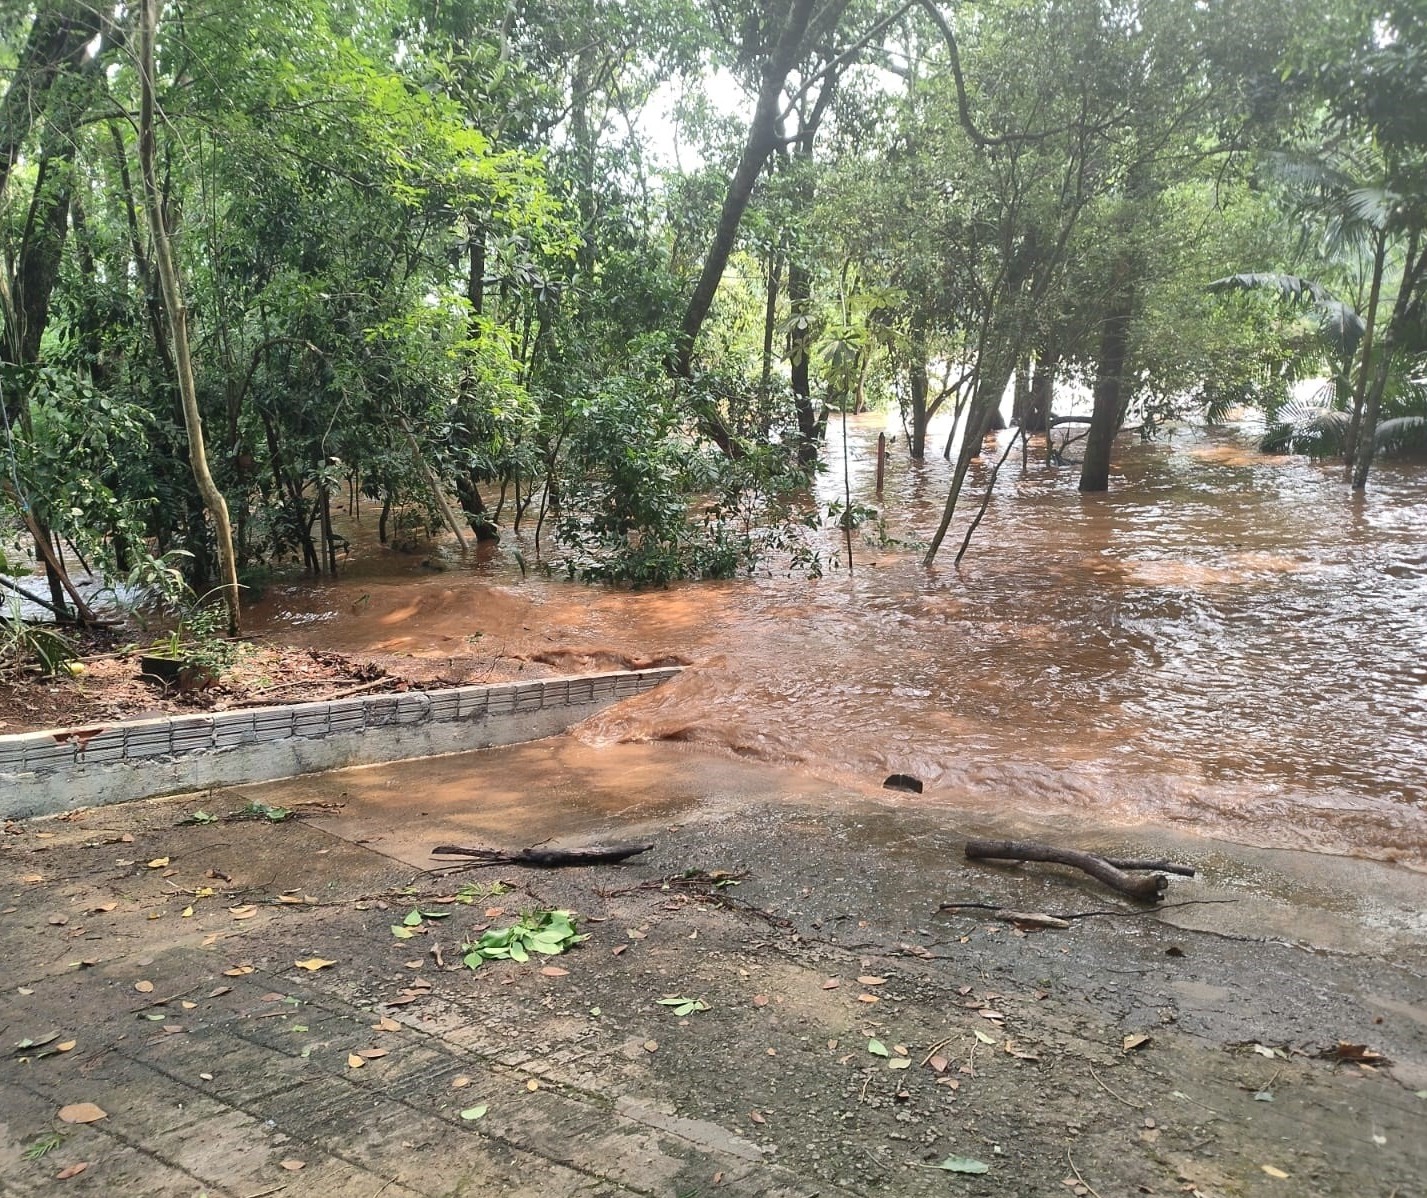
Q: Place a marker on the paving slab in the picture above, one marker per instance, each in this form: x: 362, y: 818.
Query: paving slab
x: 169, y: 954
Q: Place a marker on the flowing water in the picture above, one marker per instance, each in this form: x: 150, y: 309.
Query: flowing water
x: 1227, y: 642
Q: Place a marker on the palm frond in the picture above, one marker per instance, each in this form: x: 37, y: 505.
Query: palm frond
x: 1290, y: 287
x: 1341, y: 326
x: 1372, y: 206
x: 1404, y: 434
x: 1307, y: 171
x: 1307, y: 428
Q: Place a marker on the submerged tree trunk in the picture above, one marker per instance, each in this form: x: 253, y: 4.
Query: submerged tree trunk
x: 919, y: 387
x: 1037, y: 414
x: 1354, y: 446
x: 1108, y: 411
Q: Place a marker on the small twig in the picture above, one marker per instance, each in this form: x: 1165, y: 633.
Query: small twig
x: 936, y: 1048
x: 1111, y: 1093
x: 1078, y: 1177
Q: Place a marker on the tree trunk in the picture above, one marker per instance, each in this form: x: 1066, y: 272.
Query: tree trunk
x: 761, y: 141
x: 582, y: 143
x: 1352, y: 450
x: 61, y: 32
x: 1363, y: 456
x: 213, y: 501
x: 1021, y: 403
x: 1037, y: 417
x: 919, y: 386
x: 800, y: 352
x: 770, y: 313
x: 1108, y: 411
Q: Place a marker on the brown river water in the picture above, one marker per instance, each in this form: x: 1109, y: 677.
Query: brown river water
x: 1226, y: 643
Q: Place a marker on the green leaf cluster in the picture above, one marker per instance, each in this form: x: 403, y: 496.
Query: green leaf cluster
x: 546, y: 933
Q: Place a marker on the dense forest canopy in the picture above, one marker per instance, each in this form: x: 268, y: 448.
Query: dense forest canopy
x: 599, y: 271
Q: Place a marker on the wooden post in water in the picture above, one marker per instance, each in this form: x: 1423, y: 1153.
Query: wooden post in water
x: 881, y: 460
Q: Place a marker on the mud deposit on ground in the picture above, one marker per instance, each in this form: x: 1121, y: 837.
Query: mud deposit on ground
x: 221, y: 1064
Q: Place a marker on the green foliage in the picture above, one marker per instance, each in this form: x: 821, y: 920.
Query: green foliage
x: 25, y: 645
x: 546, y: 933
x: 43, y: 1146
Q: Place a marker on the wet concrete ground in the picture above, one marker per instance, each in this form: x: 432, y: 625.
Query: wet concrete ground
x: 221, y: 1064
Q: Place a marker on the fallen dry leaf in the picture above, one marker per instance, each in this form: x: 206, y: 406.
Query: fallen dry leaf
x: 651, y: 1046
x: 619, y: 948
x: 760, y: 1000
x: 238, y: 971
x: 756, y: 1117
x: 1272, y: 1172
x: 219, y: 991
x: 354, y: 1061
x: 103, y: 908
x: 554, y: 971
x: 372, y: 1054
x: 386, y: 1025
x: 292, y: 1166
x: 66, y: 1046
x: 869, y: 980
x: 144, y: 987
x: 868, y: 998
x: 831, y: 984
x: 460, y: 1083
x: 313, y: 964
x: 938, y: 1063
x: 532, y: 1085
x: 71, y: 1171
x: 58, y: 921
x: 186, y: 1005
x: 1344, y: 1051
x: 158, y: 863
x: 82, y: 1112
x: 1137, y: 1041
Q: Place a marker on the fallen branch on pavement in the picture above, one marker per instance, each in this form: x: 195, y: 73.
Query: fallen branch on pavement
x: 1113, y: 873
x: 538, y: 858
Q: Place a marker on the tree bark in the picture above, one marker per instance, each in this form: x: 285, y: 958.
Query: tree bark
x: 212, y: 497
x: 1108, y: 411
x: 761, y: 141
x: 61, y: 32
x: 919, y: 386
x: 1360, y: 391
x: 1037, y: 417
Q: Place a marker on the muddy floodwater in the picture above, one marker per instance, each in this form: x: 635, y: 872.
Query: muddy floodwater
x: 1227, y: 642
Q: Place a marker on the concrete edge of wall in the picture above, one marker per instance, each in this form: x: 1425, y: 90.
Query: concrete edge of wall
x: 44, y: 773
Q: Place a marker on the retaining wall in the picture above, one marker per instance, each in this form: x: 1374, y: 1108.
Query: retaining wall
x: 42, y: 773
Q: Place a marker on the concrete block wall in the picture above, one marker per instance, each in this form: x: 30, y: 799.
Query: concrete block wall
x: 43, y: 773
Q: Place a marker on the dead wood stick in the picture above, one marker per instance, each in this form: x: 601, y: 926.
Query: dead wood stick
x: 1166, y: 867
x: 608, y: 854
x: 1148, y: 888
